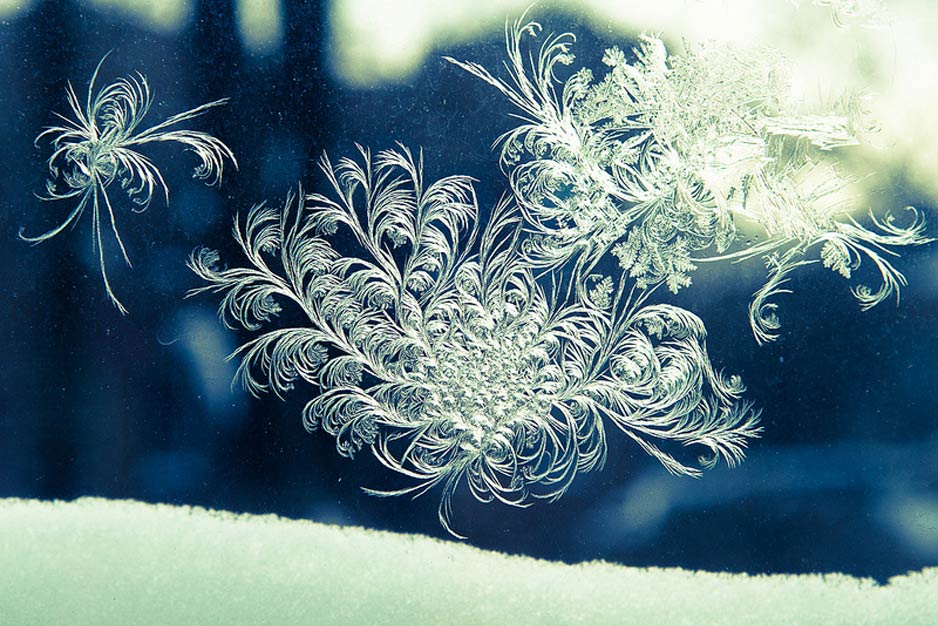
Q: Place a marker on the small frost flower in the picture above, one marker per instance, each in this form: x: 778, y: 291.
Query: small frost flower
x: 101, y: 144
x: 445, y: 357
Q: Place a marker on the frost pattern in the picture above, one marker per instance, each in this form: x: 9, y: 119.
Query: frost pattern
x: 659, y: 160
x: 863, y: 13
x: 433, y: 345
x: 100, y: 144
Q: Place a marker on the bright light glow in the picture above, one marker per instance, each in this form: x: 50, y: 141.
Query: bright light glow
x: 381, y: 40
x: 165, y: 15
x: 12, y: 8
x: 375, y: 41
x: 260, y: 23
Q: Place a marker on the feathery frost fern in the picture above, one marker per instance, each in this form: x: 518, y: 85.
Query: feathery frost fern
x: 433, y: 345
x: 100, y: 145
x: 659, y: 160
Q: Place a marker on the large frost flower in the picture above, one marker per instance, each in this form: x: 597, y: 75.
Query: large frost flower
x: 662, y: 159
x: 101, y: 144
x: 434, y: 346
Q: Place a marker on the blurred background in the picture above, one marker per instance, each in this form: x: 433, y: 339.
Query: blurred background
x: 845, y: 477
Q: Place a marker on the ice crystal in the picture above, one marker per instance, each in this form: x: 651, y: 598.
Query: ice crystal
x: 100, y: 144
x: 432, y: 343
x: 660, y: 159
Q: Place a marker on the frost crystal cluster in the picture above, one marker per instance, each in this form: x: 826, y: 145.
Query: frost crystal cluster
x: 490, y: 353
x: 664, y: 158
x: 101, y: 144
x: 432, y: 343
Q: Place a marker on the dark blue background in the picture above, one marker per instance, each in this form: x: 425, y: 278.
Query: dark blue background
x: 93, y: 403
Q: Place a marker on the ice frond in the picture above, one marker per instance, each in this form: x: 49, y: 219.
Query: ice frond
x: 762, y: 312
x: 661, y: 385
x: 659, y: 157
x: 440, y: 352
x: 841, y: 249
x: 100, y: 144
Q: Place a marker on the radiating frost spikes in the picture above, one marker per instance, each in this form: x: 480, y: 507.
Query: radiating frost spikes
x: 99, y: 145
x: 450, y: 363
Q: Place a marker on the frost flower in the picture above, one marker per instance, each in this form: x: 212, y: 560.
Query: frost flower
x: 101, y: 144
x: 659, y: 161
x: 445, y: 357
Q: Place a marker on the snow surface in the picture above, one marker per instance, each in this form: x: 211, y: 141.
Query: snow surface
x: 102, y: 562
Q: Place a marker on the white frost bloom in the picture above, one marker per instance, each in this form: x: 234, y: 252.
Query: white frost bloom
x: 658, y: 161
x: 445, y: 357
